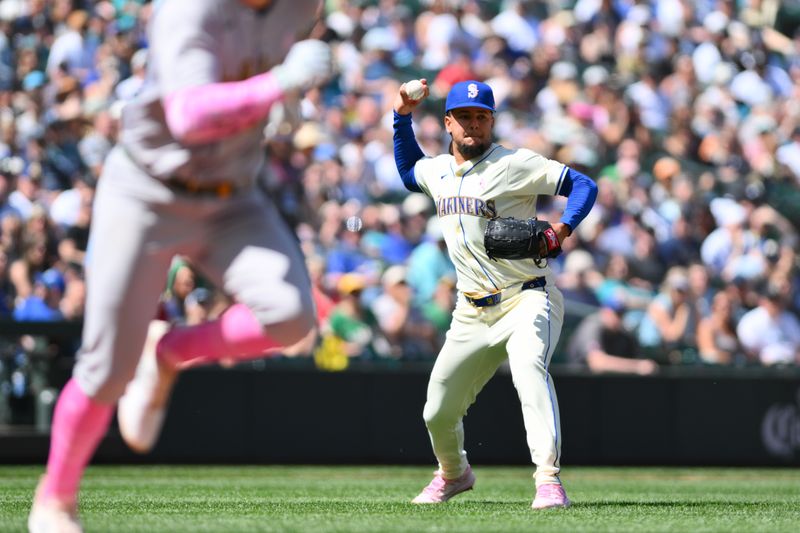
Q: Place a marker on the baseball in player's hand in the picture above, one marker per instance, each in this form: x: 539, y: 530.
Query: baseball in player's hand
x: 307, y: 64
x: 410, y: 95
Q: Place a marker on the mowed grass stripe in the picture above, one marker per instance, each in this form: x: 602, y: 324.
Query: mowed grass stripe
x: 355, y: 499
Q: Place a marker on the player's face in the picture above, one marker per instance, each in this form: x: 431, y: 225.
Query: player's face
x: 471, y: 130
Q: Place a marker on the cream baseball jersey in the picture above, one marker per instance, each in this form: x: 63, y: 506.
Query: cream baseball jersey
x: 502, y: 182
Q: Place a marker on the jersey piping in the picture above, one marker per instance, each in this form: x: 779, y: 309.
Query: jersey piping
x: 561, y: 179
x: 547, y: 356
x: 461, y: 223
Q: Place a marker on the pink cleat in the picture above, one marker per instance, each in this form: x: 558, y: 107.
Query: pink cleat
x: 53, y: 516
x: 440, y: 489
x: 550, y: 496
x: 143, y: 407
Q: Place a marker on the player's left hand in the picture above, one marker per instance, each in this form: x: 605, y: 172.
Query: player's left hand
x: 562, y: 232
x: 549, y: 240
x: 510, y: 238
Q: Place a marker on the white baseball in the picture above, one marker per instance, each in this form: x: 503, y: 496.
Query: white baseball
x: 415, y: 90
x: 353, y: 223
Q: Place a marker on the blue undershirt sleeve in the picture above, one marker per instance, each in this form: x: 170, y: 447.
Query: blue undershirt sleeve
x: 581, y: 192
x: 406, y: 151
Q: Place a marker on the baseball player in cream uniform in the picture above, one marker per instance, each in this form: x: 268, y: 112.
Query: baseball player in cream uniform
x: 506, y: 309
x: 181, y: 181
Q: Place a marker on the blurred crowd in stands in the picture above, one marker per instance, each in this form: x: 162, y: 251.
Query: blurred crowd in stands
x: 687, y: 114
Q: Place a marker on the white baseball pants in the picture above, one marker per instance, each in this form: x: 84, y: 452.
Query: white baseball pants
x: 523, y: 328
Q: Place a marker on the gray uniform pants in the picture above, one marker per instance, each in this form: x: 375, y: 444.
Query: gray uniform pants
x: 239, y: 243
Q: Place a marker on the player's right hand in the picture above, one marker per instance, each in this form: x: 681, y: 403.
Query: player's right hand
x: 405, y: 105
x: 307, y: 64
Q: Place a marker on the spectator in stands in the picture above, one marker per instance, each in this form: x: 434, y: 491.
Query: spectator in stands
x: 62, y: 163
x: 72, y: 247
x: 322, y: 294
x: 197, y: 306
x: 6, y: 289
x: 579, y: 278
x: 789, y: 154
x: 399, y: 320
x: 181, y: 281
x: 44, y: 303
x: 699, y: 289
x: 668, y: 324
x: 98, y: 89
x: 71, y: 52
x: 395, y: 246
x: 66, y: 205
x: 717, y: 342
x: 769, y: 333
x: 98, y: 139
x: 23, y: 270
x: 617, y: 238
x: 130, y: 86
x: 73, y: 303
x: 645, y: 266
x: 438, y: 310
x: 429, y: 263
x: 40, y: 224
x: 681, y: 246
x: 353, y: 323
x: 777, y: 238
x: 616, y: 285
x: 27, y: 194
x: 11, y: 234
x: 601, y: 343
x: 731, y: 250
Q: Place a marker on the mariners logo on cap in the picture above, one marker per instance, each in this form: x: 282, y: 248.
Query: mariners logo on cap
x: 470, y: 93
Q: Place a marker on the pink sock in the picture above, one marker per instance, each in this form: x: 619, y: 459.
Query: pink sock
x: 237, y: 334
x: 78, y: 425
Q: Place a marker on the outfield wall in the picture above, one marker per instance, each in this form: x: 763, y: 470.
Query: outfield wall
x: 372, y: 414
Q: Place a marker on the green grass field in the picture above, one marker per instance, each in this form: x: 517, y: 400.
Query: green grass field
x: 356, y: 499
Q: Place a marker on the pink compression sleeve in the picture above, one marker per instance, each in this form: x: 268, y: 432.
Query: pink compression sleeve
x: 237, y: 335
x: 79, y: 424
x: 207, y: 113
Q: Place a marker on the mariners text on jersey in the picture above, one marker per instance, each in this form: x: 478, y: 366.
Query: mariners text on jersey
x: 466, y: 205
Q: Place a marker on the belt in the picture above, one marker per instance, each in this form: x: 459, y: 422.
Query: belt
x: 189, y: 186
x: 496, y: 298
x: 198, y: 188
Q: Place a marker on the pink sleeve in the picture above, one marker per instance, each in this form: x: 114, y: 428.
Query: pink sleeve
x: 207, y: 113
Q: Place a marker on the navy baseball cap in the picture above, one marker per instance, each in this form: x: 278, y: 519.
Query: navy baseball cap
x: 470, y: 93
